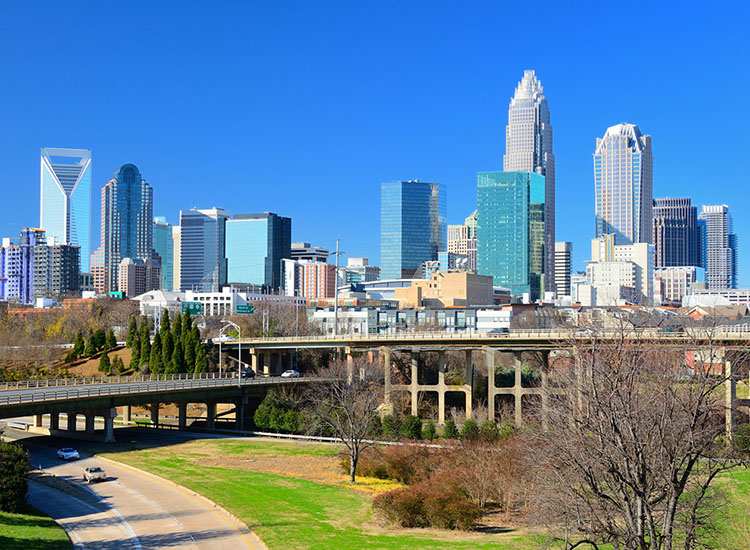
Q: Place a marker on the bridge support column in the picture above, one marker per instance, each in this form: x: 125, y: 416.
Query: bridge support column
x: 54, y: 421
x: 349, y: 365
x: 517, y: 388
x: 254, y: 360
x: 730, y: 399
x: 127, y: 415
x: 71, y: 422
x: 545, y: 389
x: 415, y: 381
x: 239, y: 413
x: 155, y: 414
x: 489, y: 361
x: 385, y: 355
x: 90, y: 423
x: 109, y: 425
x: 441, y: 387
x: 469, y: 377
x: 266, y: 362
x: 210, y: 414
x: 38, y: 420
x: 182, y: 415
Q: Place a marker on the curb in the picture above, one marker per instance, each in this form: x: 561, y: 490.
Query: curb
x: 198, y: 496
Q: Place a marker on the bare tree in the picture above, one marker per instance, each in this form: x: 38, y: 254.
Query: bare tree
x: 346, y: 402
x: 634, y: 442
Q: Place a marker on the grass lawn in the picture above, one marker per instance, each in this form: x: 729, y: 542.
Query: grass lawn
x: 31, y: 531
x: 735, y: 518
x: 292, y: 513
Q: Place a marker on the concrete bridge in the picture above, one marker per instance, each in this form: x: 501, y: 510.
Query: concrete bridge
x: 102, y: 397
x: 263, y: 353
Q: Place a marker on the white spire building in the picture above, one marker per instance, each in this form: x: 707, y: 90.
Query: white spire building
x: 528, y: 147
x: 623, y: 178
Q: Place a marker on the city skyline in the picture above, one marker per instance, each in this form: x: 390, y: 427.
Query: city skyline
x: 445, y: 136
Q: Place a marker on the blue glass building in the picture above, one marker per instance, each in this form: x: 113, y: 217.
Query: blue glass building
x: 413, y: 226
x: 511, y: 230
x: 164, y: 247
x: 65, y: 207
x: 255, y: 246
x: 203, y: 264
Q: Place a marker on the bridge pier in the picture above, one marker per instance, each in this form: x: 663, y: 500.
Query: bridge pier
x: 109, y: 425
x: 90, y: 419
x: 38, y: 420
x: 182, y: 415
x: 730, y: 400
x: 441, y: 387
x: 127, y: 416
x: 210, y: 414
x: 155, y: 414
x: 54, y: 421
x: 239, y: 413
x: 71, y: 426
x: 415, y: 381
x: 517, y: 390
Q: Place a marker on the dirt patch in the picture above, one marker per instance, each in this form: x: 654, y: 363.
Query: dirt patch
x: 90, y: 367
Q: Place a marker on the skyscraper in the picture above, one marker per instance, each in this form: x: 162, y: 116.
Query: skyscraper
x: 203, y: 264
x: 164, y: 247
x: 255, y: 246
x: 511, y: 230
x: 528, y: 148
x: 412, y: 226
x: 462, y: 239
x: 719, y: 246
x: 675, y: 233
x: 623, y: 167
x: 563, y: 263
x: 126, y: 226
x: 65, y: 206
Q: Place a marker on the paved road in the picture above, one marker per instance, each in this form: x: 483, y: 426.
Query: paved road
x: 131, y: 510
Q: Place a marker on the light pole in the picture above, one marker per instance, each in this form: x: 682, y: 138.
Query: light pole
x: 336, y: 292
x: 221, y: 339
x: 239, y: 348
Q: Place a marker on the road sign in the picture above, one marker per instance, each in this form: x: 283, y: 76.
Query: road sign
x: 245, y: 309
x: 195, y: 308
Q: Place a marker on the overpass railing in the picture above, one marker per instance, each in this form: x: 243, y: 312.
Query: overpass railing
x: 34, y: 395
x: 88, y: 380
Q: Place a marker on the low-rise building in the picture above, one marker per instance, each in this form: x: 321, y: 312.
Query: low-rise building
x: 447, y: 289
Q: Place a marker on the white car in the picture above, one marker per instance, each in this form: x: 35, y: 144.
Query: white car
x: 94, y: 473
x: 290, y: 374
x: 68, y: 453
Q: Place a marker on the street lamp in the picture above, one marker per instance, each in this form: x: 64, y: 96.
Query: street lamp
x: 239, y: 347
x: 221, y: 339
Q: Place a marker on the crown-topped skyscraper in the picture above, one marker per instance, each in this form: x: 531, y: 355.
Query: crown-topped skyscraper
x: 528, y: 148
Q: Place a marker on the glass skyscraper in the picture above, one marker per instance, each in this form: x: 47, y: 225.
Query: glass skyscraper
x: 718, y: 246
x: 164, y: 247
x: 255, y: 246
x: 203, y: 264
x: 623, y: 168
x: 528, y: 147
x: 511, y: 230
x: 65, y: 206
x: 412, y: 226
x: 126, y: 226
x: 675, y: 233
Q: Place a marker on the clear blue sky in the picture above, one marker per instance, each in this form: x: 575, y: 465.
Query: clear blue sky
x: 303, y: 108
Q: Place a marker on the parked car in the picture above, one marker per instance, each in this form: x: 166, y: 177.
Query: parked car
x: 290, y: 374
x: 94, y: 473
x: 68, y: 453
x: 246, y: 373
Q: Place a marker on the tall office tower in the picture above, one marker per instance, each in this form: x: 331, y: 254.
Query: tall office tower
x: 304, y: 251
x: 511, y: 231
x: 255, y: 246
x: 623, y: 168
x: 65, y: 207
x: 412, y: 226
x: 37, y: 268
x: 462, y: 239
x: 126, y: 226
x: 719, y: 246
x: 164, y: 247
x: 675, y: 233
x: 203, y: 265
x: 528, y: 148
x: 563, y: 263
x: 176, y: 243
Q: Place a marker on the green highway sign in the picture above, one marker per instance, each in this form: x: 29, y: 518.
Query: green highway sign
x: 195, y: 308
x: 245, y: 309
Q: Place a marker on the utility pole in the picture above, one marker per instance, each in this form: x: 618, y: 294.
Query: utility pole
x: 336, y: 292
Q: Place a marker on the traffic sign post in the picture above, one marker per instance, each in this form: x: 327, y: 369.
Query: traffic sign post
x: 195, y: 308
x: 244, y: 310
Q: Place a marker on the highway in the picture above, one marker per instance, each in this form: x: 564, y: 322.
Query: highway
x: 131, y: 509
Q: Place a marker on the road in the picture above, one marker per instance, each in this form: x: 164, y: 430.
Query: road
x: 131, y: 509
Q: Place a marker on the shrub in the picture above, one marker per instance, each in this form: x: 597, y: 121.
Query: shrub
x: 742, y: 437
x: 488, y: 431
x: 376, y: 428
x: 411, y: 428
x: 14, y: 469
x: 429, y: 432
x: 403, y: 463
x: 391, y: 425
x: 450, y: 431
x: 470, y: 430
x: 507, y: 429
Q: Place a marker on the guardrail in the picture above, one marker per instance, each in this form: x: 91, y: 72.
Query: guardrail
x: 104, y: 390
x: 63, y: 382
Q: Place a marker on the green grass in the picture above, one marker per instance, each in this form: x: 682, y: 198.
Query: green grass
x: 734, y: 520
x: 31, y: 531
x: 291, y: 513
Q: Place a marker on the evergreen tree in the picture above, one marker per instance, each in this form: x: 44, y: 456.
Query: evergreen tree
x: 117, y: 365
x: 155, y: 363
x: 187, y: 325
x: 201, y: 360
x: 100, y: 339
x: 145, y: 347
x: 111, y: 341
x: 89, y: 349
x: 164, y: 322
x: 450, y: 431
x: 178, y: 358
x: 78, y: 345
x: 177, y: 328
x: 189, y: 354
x: 167, y: 349
x: 132, y: 331
x: 104, y: 364
x: 135, y: 358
